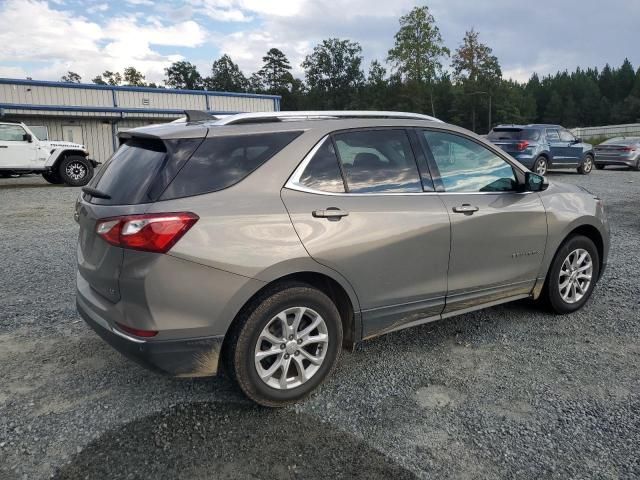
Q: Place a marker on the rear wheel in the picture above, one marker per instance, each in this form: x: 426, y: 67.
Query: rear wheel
x: 52, y: 177
x: 541, y: 166
x: 285, y: 344
x: 75, y: 171
x: 587, y: 165
x: 572, y: 275
x: 636, y: 167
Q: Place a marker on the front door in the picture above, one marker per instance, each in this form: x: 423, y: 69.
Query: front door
x: 358, y: 205
x: 498, y: 235
x: 16, y: 151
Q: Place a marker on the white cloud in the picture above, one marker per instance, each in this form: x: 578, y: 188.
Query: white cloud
x: 32, y: 31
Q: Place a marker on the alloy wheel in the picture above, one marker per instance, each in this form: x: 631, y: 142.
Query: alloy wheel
x: 76, y: 171
x: 575, y: 275
x: 588, y: 165
x: 291, y: 348
x: 541, y: 166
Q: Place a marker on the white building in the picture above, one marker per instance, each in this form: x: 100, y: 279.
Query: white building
x: 93, y: 114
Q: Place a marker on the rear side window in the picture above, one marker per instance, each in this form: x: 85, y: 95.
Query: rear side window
x: 141, y: 169
x: 553, y: 135
x: 221, y: 162
x: 376, y: 161
x: 498, y: 134
x: 323, y: 171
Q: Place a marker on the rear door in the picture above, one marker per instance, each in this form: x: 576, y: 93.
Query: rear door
x: 15, y: 151
x: 498, y: 235
x: 557, y: 147
x: 359, y: 205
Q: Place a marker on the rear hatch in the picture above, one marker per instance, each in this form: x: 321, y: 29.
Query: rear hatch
x: 131, y: 180
x: 514, y: 140
x: 617, y: 149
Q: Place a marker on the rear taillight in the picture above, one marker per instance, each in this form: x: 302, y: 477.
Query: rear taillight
x: 156, y: 232
x: 627, y: 149
x: 522, y: 145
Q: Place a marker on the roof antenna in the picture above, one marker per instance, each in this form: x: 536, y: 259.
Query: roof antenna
x: 197, y: 116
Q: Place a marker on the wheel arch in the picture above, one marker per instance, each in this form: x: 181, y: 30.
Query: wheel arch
x: 348, y: 309
x: 593, y: 234
x: 59, y: 155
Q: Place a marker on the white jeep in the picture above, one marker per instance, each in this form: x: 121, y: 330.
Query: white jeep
x: 59, y: 162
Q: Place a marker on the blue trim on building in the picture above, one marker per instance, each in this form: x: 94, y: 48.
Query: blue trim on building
x: 118, y: 110
x: 47, y: 83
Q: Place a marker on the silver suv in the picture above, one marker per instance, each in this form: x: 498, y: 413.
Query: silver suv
x: 261, y: 244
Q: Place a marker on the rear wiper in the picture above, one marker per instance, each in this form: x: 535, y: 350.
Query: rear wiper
x: 94, y: 192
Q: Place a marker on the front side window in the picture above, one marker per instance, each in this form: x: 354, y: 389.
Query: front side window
x: 467, y: 166
x: 378, y: 161
x: 12, y: 133
x: 566, y: 136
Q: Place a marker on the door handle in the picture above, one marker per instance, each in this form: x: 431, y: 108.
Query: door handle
x: 466, y: 208
x: 332, y: 213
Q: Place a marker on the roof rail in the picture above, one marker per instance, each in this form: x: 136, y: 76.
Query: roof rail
x: 260, y: 117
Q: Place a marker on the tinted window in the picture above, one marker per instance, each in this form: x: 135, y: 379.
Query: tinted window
x: 224, y: 161
x: 12, y: 133
x: 323, y: 171
x: 378, y: 161
x: 141, y: 169
x: 513, y: 134
x: 553, y: 135
x: 466, y: 166
x: 567, y: 136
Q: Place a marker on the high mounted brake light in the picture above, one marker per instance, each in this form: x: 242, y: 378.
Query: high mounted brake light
x: 156, y: 232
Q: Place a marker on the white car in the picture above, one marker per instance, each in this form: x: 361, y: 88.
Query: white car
x: 59, y: 162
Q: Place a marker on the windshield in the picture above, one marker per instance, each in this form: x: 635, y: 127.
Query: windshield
x: 40, y: 132
x: 512, y: 133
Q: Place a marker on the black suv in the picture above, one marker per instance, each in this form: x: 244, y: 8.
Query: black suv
x: 540, y: 147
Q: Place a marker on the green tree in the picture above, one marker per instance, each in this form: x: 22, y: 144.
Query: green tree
x: 553, y: 112
x: 333, y: 73
x: 71, y: 77
x: 477, y: 70
x: 133, y: 77
x: 226, y: 76
x: 108, y: 78
x: 418, y: 50
x: 183, y: 75
x: 99, y: 80
x: 570, y: 113
x: 275, y: 73
x: 376, y: 86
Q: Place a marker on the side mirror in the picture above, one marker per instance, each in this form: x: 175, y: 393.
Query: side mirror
x: 578, y: 140
x: 27, y: 138
x: 534, y: 182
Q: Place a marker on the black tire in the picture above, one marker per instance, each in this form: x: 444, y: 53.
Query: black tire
x: 599, y: 166
x: 52, y: 177
x: 6, y: 174
x: 586, y: 166
x: 551, y: 293
x: 541, y: 166
x: 239, y: 350
x: 636, y: 167
x: 75, y: 171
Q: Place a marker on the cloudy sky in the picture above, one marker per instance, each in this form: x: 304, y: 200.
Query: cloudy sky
x: 43, y: 39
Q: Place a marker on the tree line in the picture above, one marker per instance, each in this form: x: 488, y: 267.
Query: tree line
x: 419, y: 74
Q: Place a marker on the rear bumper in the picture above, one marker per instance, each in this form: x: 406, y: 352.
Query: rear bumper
x: 194, y: 357
x: 631, y: 162
x: 525, y: 159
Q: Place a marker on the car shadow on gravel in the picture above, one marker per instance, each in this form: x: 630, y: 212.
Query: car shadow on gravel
x: 212, y: 440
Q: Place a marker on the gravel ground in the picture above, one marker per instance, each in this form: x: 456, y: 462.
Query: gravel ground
x: 508, y: 392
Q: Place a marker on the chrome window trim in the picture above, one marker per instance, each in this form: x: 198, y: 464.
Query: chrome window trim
x: 294, y: 183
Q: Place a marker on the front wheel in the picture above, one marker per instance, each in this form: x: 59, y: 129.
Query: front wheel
x: 636, y: 167
x: 572, y: 275
x: 541, y: 166
x: 75, y: 171
x: 285, y: 344
x: 587, y: 165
